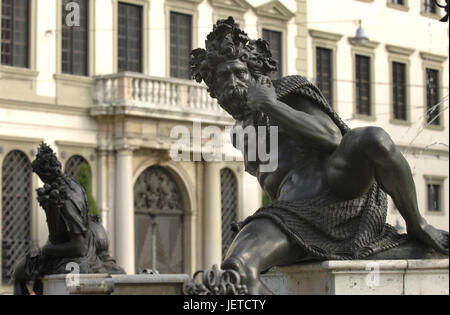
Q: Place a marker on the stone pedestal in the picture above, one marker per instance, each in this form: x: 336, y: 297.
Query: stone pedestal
x: 149, y: 284
x: 102, y: 284
x: 61, y: 284
x: 361, y: 277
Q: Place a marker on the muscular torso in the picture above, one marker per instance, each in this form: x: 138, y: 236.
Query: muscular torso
x: 300, y: 172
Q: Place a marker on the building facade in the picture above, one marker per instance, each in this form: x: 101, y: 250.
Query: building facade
x: 397, y: 80
x: 106, y: 83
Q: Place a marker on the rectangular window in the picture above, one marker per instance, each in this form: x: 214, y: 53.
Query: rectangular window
x: 399, y: 90
x: 75, y: 40
x: 432, y: 87
x: 130, y: 38
x: 324, y: 80
x: 434, y: 197
x: 363, y: 97
x: 429, y: 6
x: 180, y: 45
x: 275, y: 40
x: 398, y: 2
x: 15, y: 33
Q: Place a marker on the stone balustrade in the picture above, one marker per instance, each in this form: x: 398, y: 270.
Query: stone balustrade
x: 168, y: 94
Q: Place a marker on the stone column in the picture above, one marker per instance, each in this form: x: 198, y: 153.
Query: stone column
x: 111, y: 198
x: 124, y: 214
x: 302, y: 38
x: 212, y: 216
x: 102, y: 181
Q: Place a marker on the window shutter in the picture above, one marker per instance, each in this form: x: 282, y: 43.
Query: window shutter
x: 434, y: 197
x: 75, y: 41
x: 363, y: 96
x: 324, y: 73
x: 15, y: 33
x: 432, y: 86
x: 399, y: 90
x: 180, y: 45
x: 276, y: 47
x: 130, y: 38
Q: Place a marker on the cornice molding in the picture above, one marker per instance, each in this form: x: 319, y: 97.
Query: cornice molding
x: 192, y: 1
x: 426, y: 56
x: 74, y: 144
x: 27, y: 140
x: 274, y: 10
x: 399, y: 50
x: 185, y: 4
x: 219, y: 119
x: 241, y: 6
x: 325, y: 35
x: 417, y: 149
x: 74, y: 79
x: 47, y: 106
x: 18, y: 71
x: 370, y: 44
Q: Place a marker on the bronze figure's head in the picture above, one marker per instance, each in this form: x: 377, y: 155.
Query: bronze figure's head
x: 229, y: 63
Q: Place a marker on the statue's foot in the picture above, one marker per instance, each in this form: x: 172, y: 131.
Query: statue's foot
x: 435, y: 238
x: 249, y: 277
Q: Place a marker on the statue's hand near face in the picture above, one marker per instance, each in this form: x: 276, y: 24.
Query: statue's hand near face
x: 260, y: 96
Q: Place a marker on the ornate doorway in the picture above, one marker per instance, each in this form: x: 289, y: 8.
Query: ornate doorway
x: 159, y: 216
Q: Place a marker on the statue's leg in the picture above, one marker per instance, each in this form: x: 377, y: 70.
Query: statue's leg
x: 259, y: 246
x: 369, y: 153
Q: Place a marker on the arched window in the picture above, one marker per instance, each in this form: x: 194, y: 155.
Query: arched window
x: 229, y: 201
x: 16, y: 210
x: 159, y: 213
x: 73, y: 166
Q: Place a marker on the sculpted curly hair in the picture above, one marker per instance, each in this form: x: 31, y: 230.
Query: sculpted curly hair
x: 228, y: 42
x: 46, y: 162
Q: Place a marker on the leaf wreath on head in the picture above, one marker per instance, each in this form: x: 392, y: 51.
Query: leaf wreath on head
x: 228, y: 42
x: 45, y: 159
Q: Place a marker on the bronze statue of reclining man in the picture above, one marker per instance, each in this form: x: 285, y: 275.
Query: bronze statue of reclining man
x: 329, y: 190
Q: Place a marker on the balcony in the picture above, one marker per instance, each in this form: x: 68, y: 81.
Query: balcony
x: 135, y: 94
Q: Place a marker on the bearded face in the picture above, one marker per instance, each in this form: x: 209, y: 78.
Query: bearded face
x: 234, y: 101
x: 232, y: 82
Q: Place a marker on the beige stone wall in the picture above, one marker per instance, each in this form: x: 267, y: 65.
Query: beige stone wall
x: 41, y: 103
